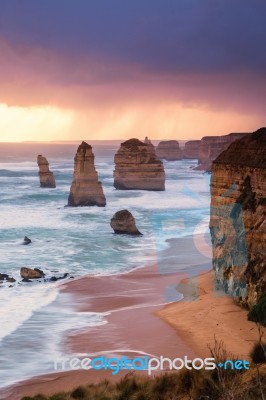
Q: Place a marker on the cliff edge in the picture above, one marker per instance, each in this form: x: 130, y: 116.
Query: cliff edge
x: 237, y: 222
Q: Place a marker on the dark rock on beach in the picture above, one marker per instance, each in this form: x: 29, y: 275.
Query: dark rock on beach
x: 58, y: 278
x: 28, y: 273
x: 10, y: 279
x: 3, y: 277
x: 26, y: 280
x: 7, y: 278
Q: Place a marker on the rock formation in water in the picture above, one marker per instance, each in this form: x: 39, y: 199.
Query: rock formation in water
x: 136, y: 167
x: 148, y: 142
x: 238, y: 218
x: 169, y: 150
x: 7, y: 278
x: 46, y: 176
x: 191, y: 149
x: 85, y: 190
x: 211, y: 146
x: 28, y: 273
x: 26, y: 241
x: 123, y: 222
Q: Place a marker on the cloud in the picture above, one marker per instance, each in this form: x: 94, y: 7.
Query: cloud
x: 100, y: 58
x: 173, y: 36
x: 158, y: 121
x: 32, y: 75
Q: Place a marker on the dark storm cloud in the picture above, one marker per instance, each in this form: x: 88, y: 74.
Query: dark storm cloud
x: 158, y: 36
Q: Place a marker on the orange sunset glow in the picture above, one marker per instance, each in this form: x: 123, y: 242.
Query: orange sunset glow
x: 170, y: 121
x: 138, y: 78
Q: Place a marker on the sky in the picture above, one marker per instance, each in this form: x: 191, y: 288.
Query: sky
x: 116, y: 69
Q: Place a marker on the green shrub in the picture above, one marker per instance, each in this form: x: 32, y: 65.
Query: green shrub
x: 79, y: 393
x: 258, y: 312
x: 127, y: 386
x: 258, y: 353
x: 58, y: 396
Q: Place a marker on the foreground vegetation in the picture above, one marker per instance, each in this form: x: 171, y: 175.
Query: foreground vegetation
x: 258, y: 312
x: 217, y: 384
x: 186, y: 385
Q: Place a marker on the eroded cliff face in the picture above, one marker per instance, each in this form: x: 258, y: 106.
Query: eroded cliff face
x: 85, y: 190
x: 238, y: 218
x: 169, y: 150
x: 137, y: 167
x: 191, y: 149
x: 211, y: 146
x: 47, y: 179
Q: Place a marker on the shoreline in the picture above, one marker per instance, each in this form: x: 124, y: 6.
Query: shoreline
x: 129, y: 302
x: 139, y: 320
x: 215, y: 315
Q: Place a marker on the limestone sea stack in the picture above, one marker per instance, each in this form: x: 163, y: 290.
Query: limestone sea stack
x: 46, y: 176
x: 148, y: 142
x: 86, y: 190
x: 191, y: 149
x: 169, y: 150
x: 136, y: 167
x: 211, y: 146
x: 123, y: 222
x: 238, y: 223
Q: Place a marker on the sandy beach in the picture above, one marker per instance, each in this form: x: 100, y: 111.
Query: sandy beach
x: 137, y: 322
x: 212, y: 314
x: 129, y: 302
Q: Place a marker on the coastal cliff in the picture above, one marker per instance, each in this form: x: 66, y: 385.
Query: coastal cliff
x: 211, y: 146
x: 47, y: 179
x: 191, y: 149
x: 137, y: 167
x: 85, y: 190
x: 169, y: 150
x: 237, y: 222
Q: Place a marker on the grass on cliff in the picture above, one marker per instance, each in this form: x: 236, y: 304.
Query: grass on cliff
x: 185, y: 385
x: 258, y: 312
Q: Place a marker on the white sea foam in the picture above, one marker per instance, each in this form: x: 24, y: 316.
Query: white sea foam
x: 19, y: 303
x: 80, y: 241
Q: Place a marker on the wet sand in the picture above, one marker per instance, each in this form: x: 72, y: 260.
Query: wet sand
x: 129, y: 302
x: 138, y: 322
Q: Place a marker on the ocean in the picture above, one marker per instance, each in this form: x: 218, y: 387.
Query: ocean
x: 80, y: 241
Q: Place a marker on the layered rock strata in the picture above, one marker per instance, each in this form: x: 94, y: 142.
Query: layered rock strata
x: 191, y: 149
x: 136, y: 167
x: 211, y: 146
x: 47, y: 179
x: 238, y: 218
x: 123, y: 222
x: 169, y: 150
x: 86, y: 190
